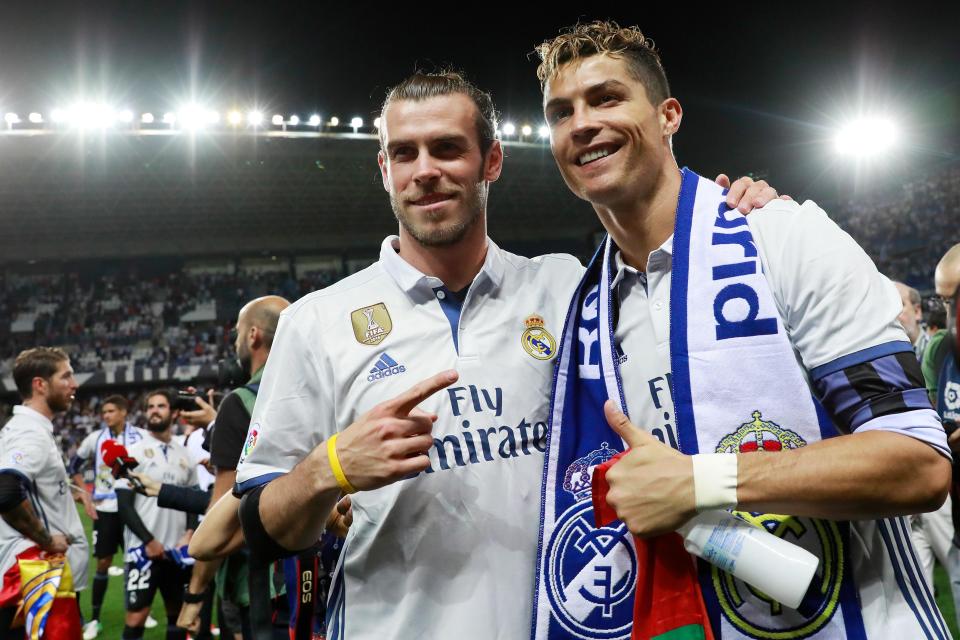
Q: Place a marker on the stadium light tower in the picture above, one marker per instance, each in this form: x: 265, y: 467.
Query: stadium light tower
x: 277, y: 120
x: 376, y: 123
x: 509, y: 129
x: 35, y: 118
x: 255, y: 118
x: 11, y: 119
x: 356, y: 122
x: 147, y: 118
x: 234, y: 118
x: 126, y: 116
x: 525, y: 131
x: 866, y: 137
x: 543, y: 131
x: 315, y: 120
x: 294, y: 120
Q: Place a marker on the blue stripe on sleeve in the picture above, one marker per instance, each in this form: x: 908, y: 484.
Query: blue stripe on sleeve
x: 864, y: 355
x: 242, y: 487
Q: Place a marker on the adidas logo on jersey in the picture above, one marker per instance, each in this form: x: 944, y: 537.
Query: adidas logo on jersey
x: 385, y: 366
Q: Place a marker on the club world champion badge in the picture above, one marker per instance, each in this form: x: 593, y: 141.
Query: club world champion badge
x: 590, y: 571
x: 536, y: 340
x: 371, y: 324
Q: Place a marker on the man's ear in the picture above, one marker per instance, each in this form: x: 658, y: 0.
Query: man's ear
x: 384, y: 170
x: 493, y: 163
x: 670, y: 114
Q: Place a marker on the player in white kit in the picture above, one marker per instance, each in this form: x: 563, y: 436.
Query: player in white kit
x: 611, y: 117
x: 154, y: 536
x: 444, y: 523
x: 39, y: 516
x: 107, y: 528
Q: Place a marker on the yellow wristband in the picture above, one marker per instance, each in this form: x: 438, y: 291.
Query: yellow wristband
x: 335, y: 466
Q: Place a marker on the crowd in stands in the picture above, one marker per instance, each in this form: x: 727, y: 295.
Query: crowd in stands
x: 907, y: 230
x: 125, y: 319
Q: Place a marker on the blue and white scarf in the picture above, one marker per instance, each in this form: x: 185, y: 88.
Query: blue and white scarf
x: 736, y: 387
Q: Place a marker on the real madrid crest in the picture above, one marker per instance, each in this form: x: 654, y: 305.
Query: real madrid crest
x: 371, y: 324
x: 760, y: 435
x: 536, y: 340
x: 148, y: 453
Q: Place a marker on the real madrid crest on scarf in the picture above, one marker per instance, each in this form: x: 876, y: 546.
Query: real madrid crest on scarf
x: 586, y: 575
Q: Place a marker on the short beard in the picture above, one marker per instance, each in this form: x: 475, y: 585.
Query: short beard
x: 158, y: 427
x: 446, y: 236
x: 58, y: 405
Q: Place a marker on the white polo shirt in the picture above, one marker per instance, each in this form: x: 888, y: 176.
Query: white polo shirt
x: 28, y: 449
x: 103, y: 494
x: 169, y: 463
x: 452, y: 550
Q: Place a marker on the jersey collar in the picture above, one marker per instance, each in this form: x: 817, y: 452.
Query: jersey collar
x: 409, y: 279
x: 27, y: 412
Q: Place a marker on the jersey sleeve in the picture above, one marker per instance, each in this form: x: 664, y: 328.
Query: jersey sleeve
x: 27, y: 457
x: 294, y: 411
x: 86, y: 450
x: 841, y: 316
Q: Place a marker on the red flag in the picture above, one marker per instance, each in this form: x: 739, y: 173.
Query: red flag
x: 668, y: 603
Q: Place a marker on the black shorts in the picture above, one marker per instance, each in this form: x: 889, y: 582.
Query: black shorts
x: 107, y: 534
x: 142, y: 584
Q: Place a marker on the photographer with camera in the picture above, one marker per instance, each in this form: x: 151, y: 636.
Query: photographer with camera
x: 255, y: 328
x: 154, y: 536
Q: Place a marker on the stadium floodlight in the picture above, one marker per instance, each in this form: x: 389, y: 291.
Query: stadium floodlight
x: 314, y: 120
x: 294, y: 120
x: 58, y: 115
x: 194, y: 116
x: 526, y: 130
x: 11, y: 118
x: 376, y: 123
x: 35, y: 118
x: 91, y: 115
x: 234, y: 118
x: 544, y: 131
x: 126, y: 116
x: 509, y: 129
x: 866, y: 137
x: 356, y: 122
x: 277, y: 120
x: 254, y: 118
x: 334, y: 121
x: 170, y: 118
x: 147, y: 118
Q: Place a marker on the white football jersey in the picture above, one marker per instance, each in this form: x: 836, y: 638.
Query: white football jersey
x: 103, y: 494
x: 28, y: 449
x: 453, y: 548
x: 168, y: 463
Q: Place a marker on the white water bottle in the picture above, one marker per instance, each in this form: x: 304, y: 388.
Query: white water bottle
x: 778, y: 568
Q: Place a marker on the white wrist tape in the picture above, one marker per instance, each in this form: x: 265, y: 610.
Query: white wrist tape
x: 715, y: 481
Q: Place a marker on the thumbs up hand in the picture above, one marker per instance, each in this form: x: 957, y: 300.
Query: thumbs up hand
x: 391, y: 441
x: 651, y: 488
